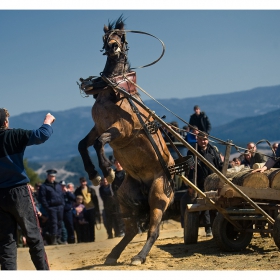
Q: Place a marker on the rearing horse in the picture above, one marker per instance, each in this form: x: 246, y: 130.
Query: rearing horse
x: 146, y: 191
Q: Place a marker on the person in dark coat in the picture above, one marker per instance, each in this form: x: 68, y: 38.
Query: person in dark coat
x: 119, y: 177
x: 109, y: 203
x: 246, y: 159
x: 200, y: 120
x: 17, y: 205
x: 52, y: 199
x: 90, y: 201
x: 256, y: 157
x: 69, y: 199
x: 211, y: 154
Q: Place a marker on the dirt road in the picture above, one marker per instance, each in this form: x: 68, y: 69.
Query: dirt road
x: 168, y: 253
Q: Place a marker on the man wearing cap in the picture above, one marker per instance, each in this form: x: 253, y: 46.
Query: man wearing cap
x: 52, y: 199
x: 200, y: 120
x: 17, y: 206
x: 211, y: 154
x: 69, y: 199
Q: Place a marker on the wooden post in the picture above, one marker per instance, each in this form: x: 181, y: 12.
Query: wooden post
x: 226, y: 159
x: 195, y: 166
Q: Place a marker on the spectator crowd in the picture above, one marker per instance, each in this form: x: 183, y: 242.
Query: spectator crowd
x: 69, y: 215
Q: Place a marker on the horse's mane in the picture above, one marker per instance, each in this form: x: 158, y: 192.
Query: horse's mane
x: 117, y: 24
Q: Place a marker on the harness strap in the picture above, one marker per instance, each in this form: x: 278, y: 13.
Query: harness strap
x: 169, y: 189
x: 162, y: 162
x: 171, y: 142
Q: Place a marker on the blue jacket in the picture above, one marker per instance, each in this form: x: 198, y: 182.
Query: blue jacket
x: 191, y: 138
x: 12, y: 146
x: 51, y: 194
x: 69, y: 199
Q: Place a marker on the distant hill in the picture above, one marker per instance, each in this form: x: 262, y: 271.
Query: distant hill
x: 222, y: 108
x: 244, y: 130
x: 228, y: 114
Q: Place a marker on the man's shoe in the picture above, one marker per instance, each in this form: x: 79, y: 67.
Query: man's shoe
x: 71, y: 241
x: 59, y: 242
x: 53, y: 240
x: 209, y: 232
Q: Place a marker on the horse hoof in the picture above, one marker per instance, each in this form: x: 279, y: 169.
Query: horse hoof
x: 110, y: 178
x: 110, y: 261
x: 96, y: 181
x: 136, y: 261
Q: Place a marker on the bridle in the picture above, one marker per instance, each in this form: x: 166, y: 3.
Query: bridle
x: 122, y: 48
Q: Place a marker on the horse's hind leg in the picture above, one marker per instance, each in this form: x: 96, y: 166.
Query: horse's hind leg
x: 158, y: 202
x: 127, y: 193
x: 130, y: 232
x: 88, y: 165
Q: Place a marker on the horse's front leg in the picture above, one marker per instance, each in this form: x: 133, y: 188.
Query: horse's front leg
x: 104, y: 163
x: 83, y: 150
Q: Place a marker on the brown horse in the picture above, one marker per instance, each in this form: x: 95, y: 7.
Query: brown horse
x: 147, y: 190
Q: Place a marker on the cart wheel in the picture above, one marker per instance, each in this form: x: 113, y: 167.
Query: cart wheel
x: 276, y: 231
x: 227, y: 238
x: 191, y: 224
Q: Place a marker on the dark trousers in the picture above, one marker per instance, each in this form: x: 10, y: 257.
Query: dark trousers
x: 82, y: 232
x: 118, y: 221
x: 17, y: 207
x: 55, y: 214
x: 68, y: 222
x: 90, y: 217
x: 108, y: 221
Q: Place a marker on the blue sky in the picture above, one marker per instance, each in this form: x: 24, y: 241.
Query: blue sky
x: 44, y: 52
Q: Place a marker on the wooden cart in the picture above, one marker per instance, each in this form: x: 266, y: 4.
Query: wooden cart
x: 236, y: 219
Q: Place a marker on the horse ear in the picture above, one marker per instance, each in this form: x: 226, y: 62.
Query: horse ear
x: 120, y: 25
x: 105, y: 28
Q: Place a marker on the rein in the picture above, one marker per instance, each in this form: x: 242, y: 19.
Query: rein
x: 163, y: 47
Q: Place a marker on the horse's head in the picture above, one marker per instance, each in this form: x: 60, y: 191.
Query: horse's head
x: 114, y: 41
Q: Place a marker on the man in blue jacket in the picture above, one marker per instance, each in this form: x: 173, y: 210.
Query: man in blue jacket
x: 52, y: 199
x: 17, y: 206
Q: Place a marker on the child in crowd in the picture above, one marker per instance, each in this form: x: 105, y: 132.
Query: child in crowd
x: 80, y: 223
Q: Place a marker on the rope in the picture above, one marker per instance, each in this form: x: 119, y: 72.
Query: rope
x: 145, y: 33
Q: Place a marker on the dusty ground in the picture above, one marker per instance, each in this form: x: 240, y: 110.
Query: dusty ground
x: 168, y: 253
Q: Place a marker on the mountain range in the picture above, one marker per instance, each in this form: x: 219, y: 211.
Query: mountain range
x: 242, y: 116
